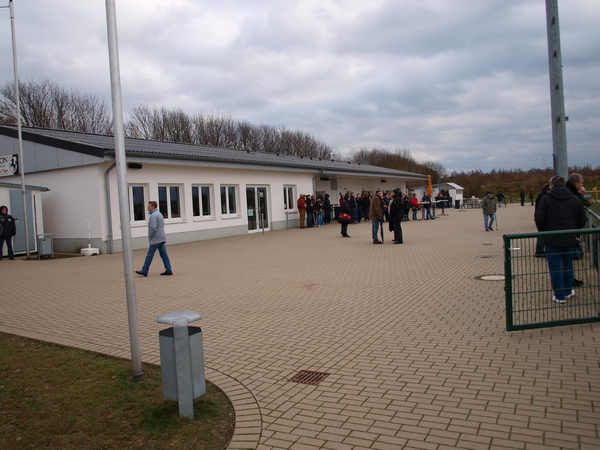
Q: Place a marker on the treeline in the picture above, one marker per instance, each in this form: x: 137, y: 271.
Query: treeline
x: 510, y: 182
x: 45, y: 104
x: 398, y: 160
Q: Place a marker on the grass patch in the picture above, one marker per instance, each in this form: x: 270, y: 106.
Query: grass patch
x: 53, y: 396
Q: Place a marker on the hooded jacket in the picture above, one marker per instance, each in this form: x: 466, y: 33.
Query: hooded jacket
x: 7, y: 224
x: 559, y: 209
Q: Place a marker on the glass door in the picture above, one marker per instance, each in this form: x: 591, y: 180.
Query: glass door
x: 257, y: 208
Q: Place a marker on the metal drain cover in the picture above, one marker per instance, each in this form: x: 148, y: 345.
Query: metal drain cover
x: 309, y: 377
x: 490, y: 277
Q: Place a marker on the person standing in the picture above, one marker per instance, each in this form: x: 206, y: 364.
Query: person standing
x: 531, y: 196
x: 7, y: 230
x: 347, y: 209
x: 396, y: 214
x: 488, y: 207
x: 376, y: 216
x: 500, y: 197
x: 302, y: 210
x: 426, y: 200
x: 328, y: 209
x: 559, y: 209
x: 310, y: 211
x: 157, y: 240
x: 414, y: 205
x: 522, y: 196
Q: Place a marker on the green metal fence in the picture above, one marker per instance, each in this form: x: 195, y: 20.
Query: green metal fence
x: 529, y: 292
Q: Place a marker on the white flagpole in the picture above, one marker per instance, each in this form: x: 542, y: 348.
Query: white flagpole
x: 19, y: 131
x: 115, y: 81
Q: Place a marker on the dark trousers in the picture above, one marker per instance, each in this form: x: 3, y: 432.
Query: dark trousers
x: 344, y: 230
x: 397, y: 230
x: 8, y: 240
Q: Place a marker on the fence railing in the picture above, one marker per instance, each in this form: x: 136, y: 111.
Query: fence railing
x: 527, y: 281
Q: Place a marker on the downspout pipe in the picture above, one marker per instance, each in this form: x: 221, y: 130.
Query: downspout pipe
x: 109, y: 237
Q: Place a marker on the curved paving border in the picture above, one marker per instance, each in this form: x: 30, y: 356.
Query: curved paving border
x: 248, y: 420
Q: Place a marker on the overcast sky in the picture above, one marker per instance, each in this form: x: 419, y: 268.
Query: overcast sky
x: 460, y: 82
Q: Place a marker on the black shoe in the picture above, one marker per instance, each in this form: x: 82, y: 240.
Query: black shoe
x: 167, y: 273
x: 12, y: 259
x: 139, y: 272
x: 577, y: 283
x: 376, y: 241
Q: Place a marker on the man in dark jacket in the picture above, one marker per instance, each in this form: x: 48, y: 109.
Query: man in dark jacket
x: 7, y: 230
x: 560, y: 210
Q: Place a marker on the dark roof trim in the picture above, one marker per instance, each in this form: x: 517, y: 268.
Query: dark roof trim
x: 53, y: 142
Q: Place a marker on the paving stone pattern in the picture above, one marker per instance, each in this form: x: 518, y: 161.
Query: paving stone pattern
x: 413, y: 343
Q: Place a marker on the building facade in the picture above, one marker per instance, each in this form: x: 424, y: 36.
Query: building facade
x: 203, y: 192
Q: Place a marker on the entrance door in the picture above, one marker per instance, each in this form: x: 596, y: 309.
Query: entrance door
x: 257, y: 208
x: 16, y: 210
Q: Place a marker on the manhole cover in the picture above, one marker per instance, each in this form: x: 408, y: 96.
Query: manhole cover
x: 490, y: 277
x: 309, y: 377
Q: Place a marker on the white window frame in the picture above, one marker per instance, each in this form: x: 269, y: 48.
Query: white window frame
x: 289, y: 198
x: 236, y: 194
x: 211, y: 203
x: 169, y: 216
x: 132, y: 219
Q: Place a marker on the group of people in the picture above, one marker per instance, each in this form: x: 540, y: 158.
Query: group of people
x: 393, y: 207
x: 314, y: 211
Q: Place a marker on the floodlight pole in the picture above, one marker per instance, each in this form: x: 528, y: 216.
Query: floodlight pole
x: 115, y: 81
x: 557, y: 100
x: 19, y: 131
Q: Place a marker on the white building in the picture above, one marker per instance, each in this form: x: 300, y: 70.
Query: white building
x: 454, y: 190
x: 203, y: 192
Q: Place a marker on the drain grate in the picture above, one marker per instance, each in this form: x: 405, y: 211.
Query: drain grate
x: 309, y: 377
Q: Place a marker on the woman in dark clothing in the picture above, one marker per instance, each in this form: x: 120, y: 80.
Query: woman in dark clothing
x: 346, y: 208
x: 396, y: 212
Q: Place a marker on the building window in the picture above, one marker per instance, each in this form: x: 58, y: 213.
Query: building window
x: 228, y: 203
x: 289, y: 198
x: 169, y: 201
x: 137, y: 203
x: 201, y: 201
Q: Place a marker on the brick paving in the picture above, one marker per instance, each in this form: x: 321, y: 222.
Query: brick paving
x: 413, y: 343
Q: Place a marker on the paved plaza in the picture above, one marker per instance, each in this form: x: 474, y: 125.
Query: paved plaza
x: 414, y: 344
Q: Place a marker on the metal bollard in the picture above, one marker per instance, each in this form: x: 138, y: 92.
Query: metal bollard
x: 182, y: 360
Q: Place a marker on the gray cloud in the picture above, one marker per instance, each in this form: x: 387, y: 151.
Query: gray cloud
x: 464, y: 83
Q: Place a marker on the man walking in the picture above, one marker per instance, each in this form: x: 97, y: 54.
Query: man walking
x: 157, y: 239
x: 376, y: 216
x: 559, y: 209
x: 488, y: 207
x: 7, y: 230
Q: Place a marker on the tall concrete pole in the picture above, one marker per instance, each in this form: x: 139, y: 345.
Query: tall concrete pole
x: 115, y: 81
x: 557, y: 100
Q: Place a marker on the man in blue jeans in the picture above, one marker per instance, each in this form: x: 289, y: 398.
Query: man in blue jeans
x: 157, y: 239
x: 559, y: 209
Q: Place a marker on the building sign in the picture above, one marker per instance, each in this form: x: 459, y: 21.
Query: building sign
x: 9, y: 165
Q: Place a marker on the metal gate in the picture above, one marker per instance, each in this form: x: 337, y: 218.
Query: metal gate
x: 529, y: 292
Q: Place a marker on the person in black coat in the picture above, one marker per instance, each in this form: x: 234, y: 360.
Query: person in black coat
x: 345, y: 208
x: 396, y: 212
x: 7, y: 230
x: 559, y: 209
